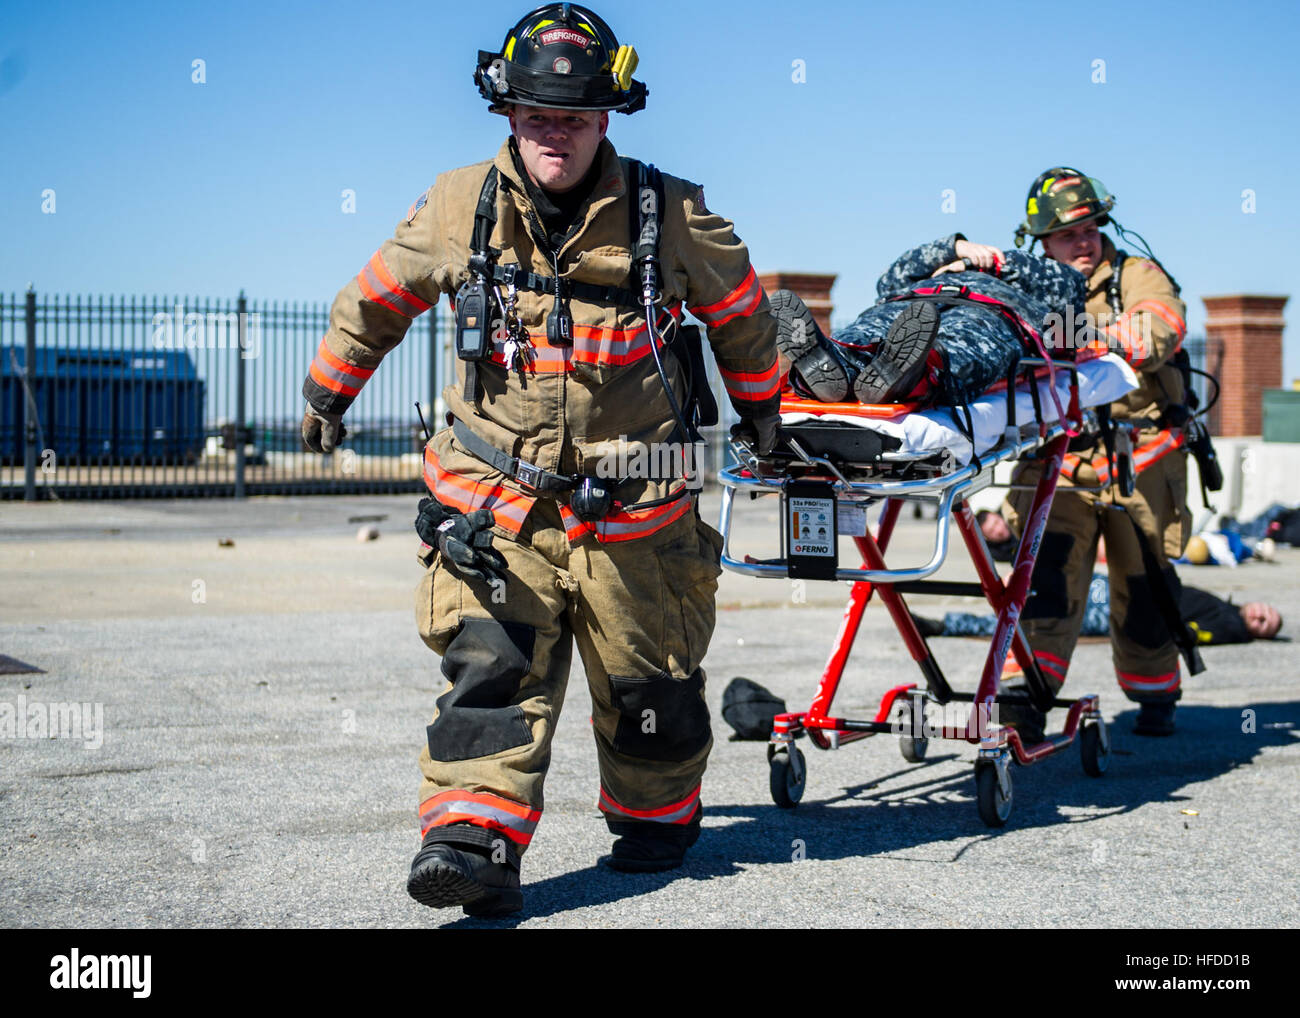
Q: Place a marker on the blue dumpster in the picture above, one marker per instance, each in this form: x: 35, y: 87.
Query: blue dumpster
x: 106, y: 406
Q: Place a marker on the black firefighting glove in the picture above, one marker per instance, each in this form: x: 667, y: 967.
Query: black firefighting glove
x: 464, y: 541
x: 322, y: 432
x: 760, y: 432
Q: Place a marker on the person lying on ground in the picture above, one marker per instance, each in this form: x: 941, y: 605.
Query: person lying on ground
x: 1213, y: 619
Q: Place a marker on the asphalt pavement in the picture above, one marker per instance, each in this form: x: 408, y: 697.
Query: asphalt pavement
x: 261, y: 705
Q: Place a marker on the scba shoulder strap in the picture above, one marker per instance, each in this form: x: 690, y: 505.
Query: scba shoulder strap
x: 1113, y: 294
x: 644, y: 224
x: 646, y: 235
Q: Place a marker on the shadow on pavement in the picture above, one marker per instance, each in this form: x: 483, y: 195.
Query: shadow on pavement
x: 879, y: 816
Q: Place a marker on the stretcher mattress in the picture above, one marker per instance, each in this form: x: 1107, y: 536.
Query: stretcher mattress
x: 925, y: 433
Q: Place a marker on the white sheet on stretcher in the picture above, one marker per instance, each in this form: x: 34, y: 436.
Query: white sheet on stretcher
x: 926, y: 432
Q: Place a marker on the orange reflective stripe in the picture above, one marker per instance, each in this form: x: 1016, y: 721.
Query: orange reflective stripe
x: 674, y: 813
x: 1051, y: 664
x: 1071, y: 464
x: 624, y: 526
x: 379, y: 286
x: 592, y: 344
x: 1157, y: 449
x: 510, y: 508
x: 1164, y: 312
x: 1143, y: 456
x: 574, y: 528
x: 621, y: 526
x: 751, y: 385
x: 545, y: 359
x: 739, y: 302
x: 483, y: 809
x: 1165, y: 683
x: 337, y: 375
x: 598, y: 345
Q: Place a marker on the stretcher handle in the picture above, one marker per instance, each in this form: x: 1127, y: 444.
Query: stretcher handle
x: 780, y: 568
x: 753, y: 462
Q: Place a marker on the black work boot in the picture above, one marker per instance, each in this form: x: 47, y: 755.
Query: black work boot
x: 814, y: 358
x: 647, y: 847
x: 457, y: 865
x: 928, y: 627
x: 1155, y: 719
x: 1025, y: 718
x: 900, y: 360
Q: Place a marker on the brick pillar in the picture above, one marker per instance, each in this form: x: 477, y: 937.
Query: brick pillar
x: 814, y: 289
x: 1244, y: 350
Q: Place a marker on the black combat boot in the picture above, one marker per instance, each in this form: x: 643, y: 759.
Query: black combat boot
x: 467, y: 866
x: 1155, y: 719
x: 645, y: 847
x: 928, y: 627
x: 900, y: 360
x: 814, y: 359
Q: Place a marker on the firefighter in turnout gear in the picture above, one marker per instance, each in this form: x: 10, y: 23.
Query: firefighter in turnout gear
x: 570, y: 267
x: 1135, y: 308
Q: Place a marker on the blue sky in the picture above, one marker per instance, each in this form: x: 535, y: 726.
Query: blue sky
x: 167, y: 186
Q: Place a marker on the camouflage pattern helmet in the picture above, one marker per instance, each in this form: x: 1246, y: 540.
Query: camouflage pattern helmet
x: 561, y: 56
x: 1062, y: 197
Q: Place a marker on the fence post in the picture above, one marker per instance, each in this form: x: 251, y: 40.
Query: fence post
x: 434, y: 353
x: 242, y: 309
x: 31, y: 422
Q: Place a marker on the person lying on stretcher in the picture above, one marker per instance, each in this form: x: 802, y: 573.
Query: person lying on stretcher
x: 904, y: 349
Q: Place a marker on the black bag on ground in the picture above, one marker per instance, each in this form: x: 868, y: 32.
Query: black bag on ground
x: 1286, y: 528
x: 749, y: 709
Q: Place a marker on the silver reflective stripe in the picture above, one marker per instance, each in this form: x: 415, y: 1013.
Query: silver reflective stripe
x: 737, y: 387
x: 743, y: 299
x: 651, y: 523
x: 327, y: 369
x: 679, y: 814
x: 403, y: 305
x: 470, y: 808
x: 457, y: 497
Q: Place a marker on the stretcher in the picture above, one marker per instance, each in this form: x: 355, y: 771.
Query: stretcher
x: 834, y: 462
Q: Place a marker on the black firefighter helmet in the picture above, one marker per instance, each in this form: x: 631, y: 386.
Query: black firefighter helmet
x: 1063, y: 197
x: 561, y: 56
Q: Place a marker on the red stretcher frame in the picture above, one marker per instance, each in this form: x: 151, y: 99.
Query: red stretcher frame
x: 998, y: 745
x: 1007, y: 599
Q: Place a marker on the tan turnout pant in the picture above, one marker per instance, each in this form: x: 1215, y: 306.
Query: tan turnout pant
x: 1144, y: 655
x: 641, y: 613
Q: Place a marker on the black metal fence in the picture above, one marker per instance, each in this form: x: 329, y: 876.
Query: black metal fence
x: 150, y: 397
x: 119, y: 397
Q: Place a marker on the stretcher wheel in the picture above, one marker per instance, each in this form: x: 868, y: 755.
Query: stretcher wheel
x: 993, y: 806
x: 912, y: 747
x: 787, y: 777
x: 1093, y: 753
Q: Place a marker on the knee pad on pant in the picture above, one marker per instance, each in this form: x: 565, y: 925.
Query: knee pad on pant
x: 485, y: 662
x: 1144, y: 624
x: 1049, y: 597
x: 660, y: 718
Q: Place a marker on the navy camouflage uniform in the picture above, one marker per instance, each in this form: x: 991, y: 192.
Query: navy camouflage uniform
x: 975, y: 347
